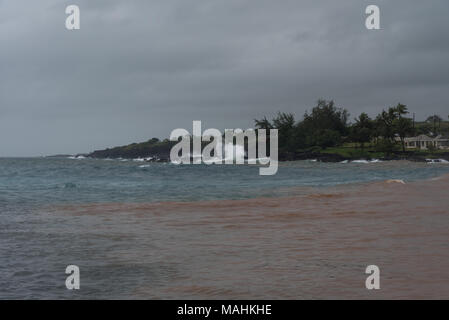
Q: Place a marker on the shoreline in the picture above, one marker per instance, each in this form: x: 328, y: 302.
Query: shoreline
x: 336, y: 157
x: 288, y: 157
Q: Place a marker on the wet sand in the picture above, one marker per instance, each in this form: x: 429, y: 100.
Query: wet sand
x: 315, y: 245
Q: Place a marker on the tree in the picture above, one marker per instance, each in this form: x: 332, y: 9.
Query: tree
x: 285, y: 123
x: 327, y: 138
x: 434, y: 120
x: 384, y: 124
x: 263, y: 124
x: 324, y: 126
x: 327, y: 116
x: 362, y: 130
x: 392, y: 122
x: 404, y: 127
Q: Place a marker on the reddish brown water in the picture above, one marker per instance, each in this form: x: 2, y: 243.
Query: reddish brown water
x: 315, y: 245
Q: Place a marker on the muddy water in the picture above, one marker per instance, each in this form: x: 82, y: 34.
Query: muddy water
x: 315, y: 245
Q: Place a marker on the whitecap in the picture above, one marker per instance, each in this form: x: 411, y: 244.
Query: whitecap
x: 395, y: 181
x: 360, y: 161
x: 437, y: 161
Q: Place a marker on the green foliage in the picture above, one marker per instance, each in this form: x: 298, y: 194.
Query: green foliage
x: 325, y: 116
x: 324, y: 127
x: 363, y: 130
x: 285, y: 123
x: 151, y: 148
x: 327, y: 138
x: 391, y: 123
x: 385, y: 145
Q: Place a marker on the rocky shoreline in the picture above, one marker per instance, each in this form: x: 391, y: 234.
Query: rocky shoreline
x: 335, y: 157
x: 298, y: 156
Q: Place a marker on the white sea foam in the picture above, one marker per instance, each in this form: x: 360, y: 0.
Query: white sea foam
x: 77, y: 157
x: 437, y: 161
x: 395, y: 181
x: 360, y: 161
x: 366, y: 161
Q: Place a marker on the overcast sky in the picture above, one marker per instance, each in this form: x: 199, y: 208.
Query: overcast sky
x: 139, y: 69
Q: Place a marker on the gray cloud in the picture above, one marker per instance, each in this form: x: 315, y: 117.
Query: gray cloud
x: 139, y: 69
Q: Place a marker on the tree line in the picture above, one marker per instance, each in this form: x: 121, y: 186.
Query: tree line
x: 327, y: 125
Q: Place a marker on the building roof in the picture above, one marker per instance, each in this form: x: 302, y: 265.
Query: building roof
x: 424, y: 137
x: 421, y: 137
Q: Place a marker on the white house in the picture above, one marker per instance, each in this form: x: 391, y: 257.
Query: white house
x: 424, y: 142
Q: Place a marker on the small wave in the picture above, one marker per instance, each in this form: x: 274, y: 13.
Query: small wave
x: 395, y: 181
x: 143, y: 159
x: 360, y: 161
x: 144, y: 166
x: 366, y: 161
x: 437, y: 161
x: 76, y: 157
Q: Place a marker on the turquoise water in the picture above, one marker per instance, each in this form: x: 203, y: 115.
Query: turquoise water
x: 158, y: 253
x: 42, y: 181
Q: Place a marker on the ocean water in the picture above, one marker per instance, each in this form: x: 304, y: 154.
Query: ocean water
x: 42, y: 181
x: 156, y: 230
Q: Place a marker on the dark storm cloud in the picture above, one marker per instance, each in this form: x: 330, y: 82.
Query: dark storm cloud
x: 139, y: 69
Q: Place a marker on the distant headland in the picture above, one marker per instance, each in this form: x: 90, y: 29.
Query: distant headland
x: 327, y: 134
